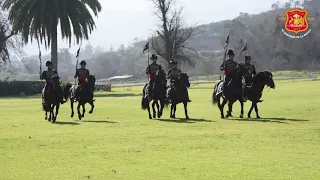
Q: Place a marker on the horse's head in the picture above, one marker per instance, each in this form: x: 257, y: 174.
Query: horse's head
x: 184, y: 79
x: 266, y: 78
x: 242, y: 70
x: 55, y: 81
x: 91, y: 80
x: 161, y: 77
x: 269, y: 79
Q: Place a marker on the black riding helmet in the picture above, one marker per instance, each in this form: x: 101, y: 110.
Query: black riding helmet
x: 153, y: 56
x: 230, y: 52
x: 83, y: 62
x: 49, y: 63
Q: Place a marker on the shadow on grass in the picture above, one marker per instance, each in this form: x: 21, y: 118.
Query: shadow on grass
x: 183, y: 120
x: 272, y: 120
x: 66, y: 123
x: 117, y: 95
x: 98, y: 121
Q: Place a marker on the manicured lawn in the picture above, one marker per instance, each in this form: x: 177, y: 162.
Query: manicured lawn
x: 118, y: 141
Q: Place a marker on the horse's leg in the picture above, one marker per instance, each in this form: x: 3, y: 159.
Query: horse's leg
x: 158, y: 108
x: 224, y: 102
x: 229, y: 113
x: 51, y: 112
x: 78, y: 109
x: 150, y: 117
x: 185, y: 104
x: 71, y: 104
x: 241, y: 113
x: 174, y: 110
x: 256, y: 109
x: 171, y: 111
x: 56, y: 114
x: 46, y: 117
x: 83, y: 109
x: 92, y: 107
x: 161, y: 109
x: 251, y: 108
x: 153, y: 108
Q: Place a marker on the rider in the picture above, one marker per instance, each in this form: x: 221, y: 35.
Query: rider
x: 174, y: 75
x: 252, y: 72
x: 46, y: 75
x: 152, y: 71
x: 251, y: 69
x: 82, y: 73
x: 229, y: 68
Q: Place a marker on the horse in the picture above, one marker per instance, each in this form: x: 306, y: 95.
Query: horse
x: 158, y: 95
x: 179, y: 94
x: 51, y: 99
x: 232, y: 92
x: 254, y: 92
x: 84, y: 95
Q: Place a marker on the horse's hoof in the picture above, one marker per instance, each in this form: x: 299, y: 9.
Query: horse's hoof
x: 46, y: 118
x: 90, y: 112
x: 258, y: 117
x: 82, y: 115
x: 241, y: 116
x: 79, y: 117
x: 150, y: 117
x: 222, y: 117
x: 159, y: 115
x: 71, y: 115
x: 249, y: 116
x: 187, y: 117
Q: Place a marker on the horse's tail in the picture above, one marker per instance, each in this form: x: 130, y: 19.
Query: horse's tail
x: 215, y: 97
x: 66, y: 90
x: 144, y: 101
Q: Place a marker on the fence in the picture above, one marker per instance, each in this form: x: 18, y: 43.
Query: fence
x: 213, y: 79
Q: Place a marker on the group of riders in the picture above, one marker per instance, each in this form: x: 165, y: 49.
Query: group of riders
x: 173, y: 75
x: 229, y: 67
x: 82, y: 73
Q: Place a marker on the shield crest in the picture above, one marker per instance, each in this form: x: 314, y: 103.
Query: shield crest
x: 296, y: 21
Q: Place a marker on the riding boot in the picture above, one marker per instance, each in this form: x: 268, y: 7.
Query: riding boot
x: 243, y: 98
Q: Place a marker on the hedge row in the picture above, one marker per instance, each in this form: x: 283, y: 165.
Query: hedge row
x: 16, y: 88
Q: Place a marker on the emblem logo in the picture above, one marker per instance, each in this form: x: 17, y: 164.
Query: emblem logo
x: 296, y: 21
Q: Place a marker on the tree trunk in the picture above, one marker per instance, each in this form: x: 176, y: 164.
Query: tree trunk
x: 54, y: 47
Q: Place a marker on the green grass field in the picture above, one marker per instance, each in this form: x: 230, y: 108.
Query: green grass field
x: 118, y: 141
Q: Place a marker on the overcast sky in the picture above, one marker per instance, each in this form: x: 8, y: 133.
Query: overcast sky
x: 120, y: 21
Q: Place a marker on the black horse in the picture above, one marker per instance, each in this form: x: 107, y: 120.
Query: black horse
x: 83, y: 95
x: 158, y: 94
x: 254, y: 92
x: 52, y: 99
x: 232, y: 92
x: 179, y: 94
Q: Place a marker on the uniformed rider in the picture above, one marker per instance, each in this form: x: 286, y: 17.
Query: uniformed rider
x: 82, y: 73
x: 174, y: 75
x: 152, y: 71
x: 46, y: 75
x: 229, y: 68
x: 251, y: 69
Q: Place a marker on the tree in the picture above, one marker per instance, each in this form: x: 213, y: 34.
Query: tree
x: 9, y: 40
x: 39, y: 19
x: 172, y: 36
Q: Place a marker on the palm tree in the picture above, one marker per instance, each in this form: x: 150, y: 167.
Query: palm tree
x: 39, y: 19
